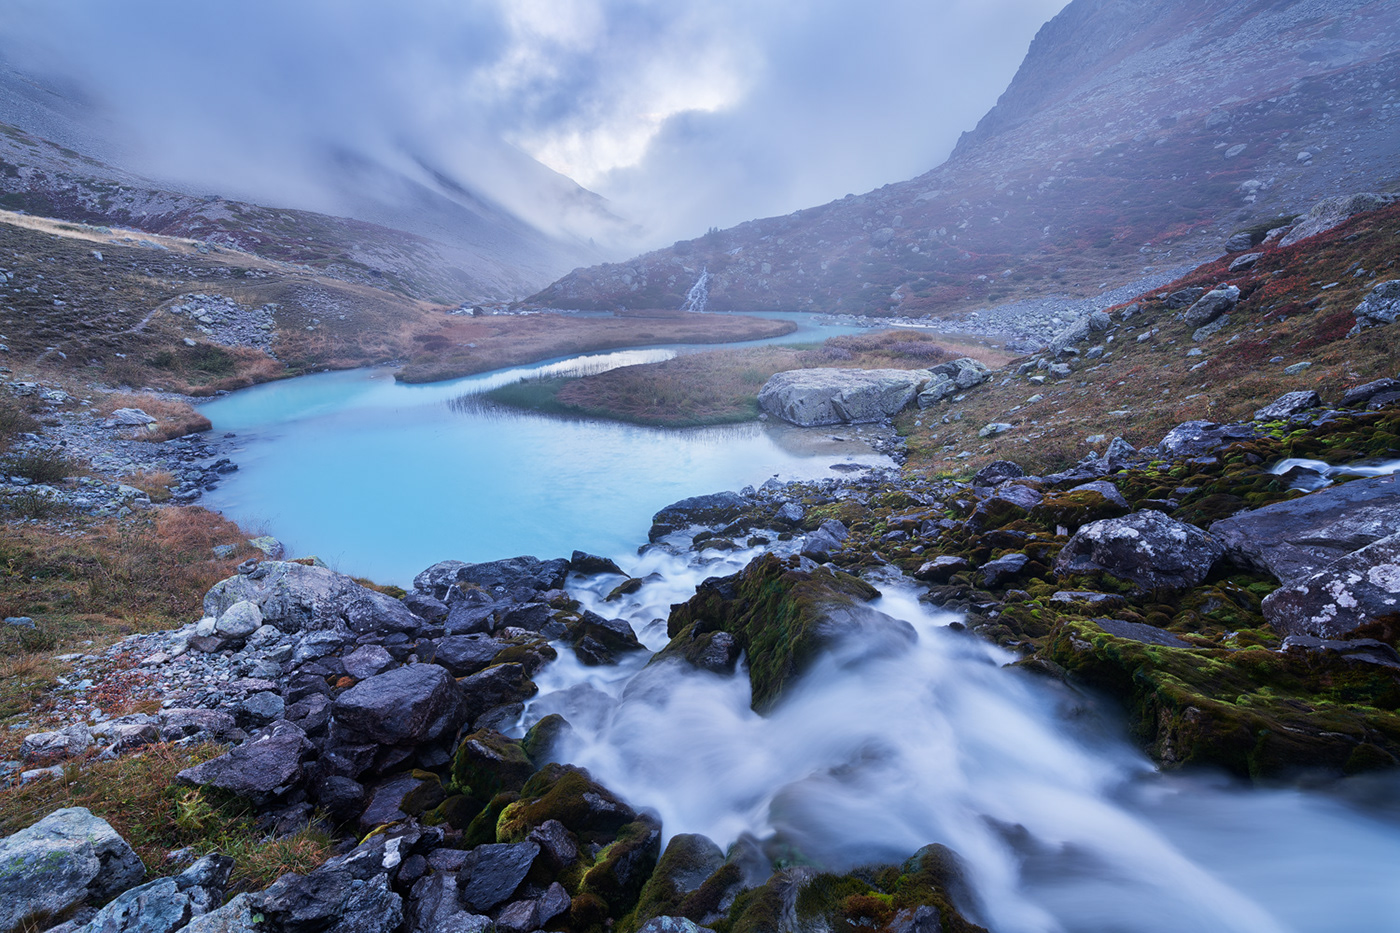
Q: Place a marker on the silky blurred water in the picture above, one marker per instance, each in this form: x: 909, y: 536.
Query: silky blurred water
x: 1063, y: 824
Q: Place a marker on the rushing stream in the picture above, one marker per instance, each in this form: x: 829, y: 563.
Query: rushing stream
x: 879, y: 750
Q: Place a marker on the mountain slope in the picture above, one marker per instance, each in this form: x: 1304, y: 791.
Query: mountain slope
x: 1135, y: 137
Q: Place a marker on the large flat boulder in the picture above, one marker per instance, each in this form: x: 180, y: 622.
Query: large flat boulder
x: 1295, y: 539
x: 296, y: 597
x: 507, y: 575
x: 1353, y: 590
x: 812, y: 397
x: 68, y: 858
x: 260, y: 770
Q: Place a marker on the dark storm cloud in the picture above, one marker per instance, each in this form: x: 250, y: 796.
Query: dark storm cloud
x: 685, y: 115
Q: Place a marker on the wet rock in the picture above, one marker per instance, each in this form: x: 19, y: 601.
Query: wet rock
x: 239, y: 915
x: 512, y: 574
x: 1365, y: 650
x: 719, y: 508
x: 1348, y: 593
x: 487, y: 763
x: 435, y: 908
x: 1381, y: 306
x: 1147, y: 549
x: 1362, y: 394
x: 492, y: 873
x: 1288, y: 404
x: 941, y: 568
x: 811, y: 397
x: 825, y: 541
x: 1140, y: 632
x: 259, y: 770
x: 496, y: 686
x: 408, y: 706
x: 557, y: 845
x: 568, y: 795
x: 341, y: 797
x: 1299, y: 537
x: 688, y: 862
x: 592, y: 565
x: 1211, y: 305
x: 426, y: 607
x: 67, y: 859
x: 386, y: 801
x: 625, y: 865
x: 1088, y: 598
x: 613, y: 634
x: 331, y: 899
x: 519, y: 917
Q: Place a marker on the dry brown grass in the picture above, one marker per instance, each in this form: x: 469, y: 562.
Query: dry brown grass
x: 155, y: 485
x: 142, y: 800
x: 174, y: 417
x: 446, y: 351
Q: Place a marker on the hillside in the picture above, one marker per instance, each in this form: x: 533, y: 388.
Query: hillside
x: 1123, y: 148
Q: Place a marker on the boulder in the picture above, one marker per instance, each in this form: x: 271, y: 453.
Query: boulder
x: 1348, y: 593
x: 941, y: 568
x: 492, y: 873
x: 45, y: 748
x: 1183, y: 298
x: 404, y: 707
x: 997, y: 472
x: 688, y: 862
x: 240, y: 620
x: 1198, y: 438
x: 825, y: 541
x: 367, y: 661
x: 1147, y: 549
x: 129, y: 418
x: 1331, y: 212
x: 239, y: 915
x: 1141, y: 632
x: 591, y: 564
x: 464, y: 655
x: 330, y: 898
x: 1211, y: 305
x: 167, y: 904
x: 259, y: 770
x: 1294, y: 539
x: 297, y: 598
x: 718, y: 508
x: 1380, y: 306
x: 1362, y: 394
x: 811, y: 397
x: 995, y: 572
x: 1288, y: 404
x: 487, y: 763
x: 965, y: 373
x: 65, y: 860
x: 495, y: 686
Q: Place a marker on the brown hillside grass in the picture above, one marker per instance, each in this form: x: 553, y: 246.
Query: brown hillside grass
x: 174, y: 417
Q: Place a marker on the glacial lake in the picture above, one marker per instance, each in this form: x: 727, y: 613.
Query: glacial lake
x: 382, y: 479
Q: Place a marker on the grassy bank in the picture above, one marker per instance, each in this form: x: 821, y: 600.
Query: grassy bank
x: 722, y: 386
x: 464, y: 345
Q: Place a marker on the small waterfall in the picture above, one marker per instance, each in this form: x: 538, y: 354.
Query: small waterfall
x: 699, y: 294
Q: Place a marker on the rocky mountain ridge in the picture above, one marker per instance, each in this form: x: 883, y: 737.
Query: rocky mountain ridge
x: 1124, y: 146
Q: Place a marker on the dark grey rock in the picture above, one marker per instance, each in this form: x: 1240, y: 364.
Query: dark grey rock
x: 176, y: 724
x: 1365, y: 650
x: 493, y: 872
x: 1299, y: 537
x: 995, y: 572
x: 1381, y: 306
x: 718, y: 508
x: 825, y: 541
x: 155, y: 907
x: 411, y: 705
x: 997, y: 472
x: 341, y: 797
x: 519, y: 917
x: 495, y: 686
x: 941, y: 568
x: 366, y: 661
x: 1211, y: 305
x: 296, y: 598
x: 1362, y: 394
x: 259, y: 770
x: 1147, y: 549
x: 425, y: 606
x: 592, y: 565
x: 557, y: 845
x: 1138, y: 631
x: 1104, y: 488
x: 1197, y: 438
x: 464, y: 655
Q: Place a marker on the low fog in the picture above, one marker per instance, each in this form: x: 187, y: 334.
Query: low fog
x: 683, y: 116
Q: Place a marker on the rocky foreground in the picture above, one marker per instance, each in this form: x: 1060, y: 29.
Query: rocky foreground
x: 1243, y: 623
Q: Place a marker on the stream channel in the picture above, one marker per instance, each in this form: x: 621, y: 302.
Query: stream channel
x: 1063, y: 824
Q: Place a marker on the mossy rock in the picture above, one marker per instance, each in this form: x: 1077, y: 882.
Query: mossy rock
x: 425, y: 796
x: 456, y: 811
x: 567, y: 794
x: 483, y: 827
x: 1254, y: 712
x: 623, y: 867
x: 1071, y: 509
x: 544, y: 737
x: 689, y: 861
x: 487, y: 763
x: 775, y: 613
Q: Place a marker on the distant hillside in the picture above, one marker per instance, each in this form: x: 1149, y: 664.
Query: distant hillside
x: 412, y: 228
x: 1136, y: 137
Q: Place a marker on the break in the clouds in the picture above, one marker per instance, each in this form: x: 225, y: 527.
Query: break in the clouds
x: 684, y: 115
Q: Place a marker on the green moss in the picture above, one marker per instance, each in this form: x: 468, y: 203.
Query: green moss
x: 567, y: 794
x: 688, y: 863
x: 774, y: 613
x: 1073, y: 509
x: 623, y: 867
x: 487, y: 763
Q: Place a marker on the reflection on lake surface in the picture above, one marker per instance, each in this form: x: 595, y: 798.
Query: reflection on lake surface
x: 382, y: 479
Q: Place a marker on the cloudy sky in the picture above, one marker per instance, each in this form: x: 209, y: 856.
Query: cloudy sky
x: 685, y: 115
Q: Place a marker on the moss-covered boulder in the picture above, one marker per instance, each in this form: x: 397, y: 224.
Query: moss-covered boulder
x: 544, y: 737
x: 487, y: 763
x: 779, y: 616
x: 1253, y: 711
x: 623, y: 867
x: 690, y: 860
x: 569, y: 795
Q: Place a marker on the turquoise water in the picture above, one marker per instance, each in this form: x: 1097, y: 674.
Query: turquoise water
x: 382, y: 479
